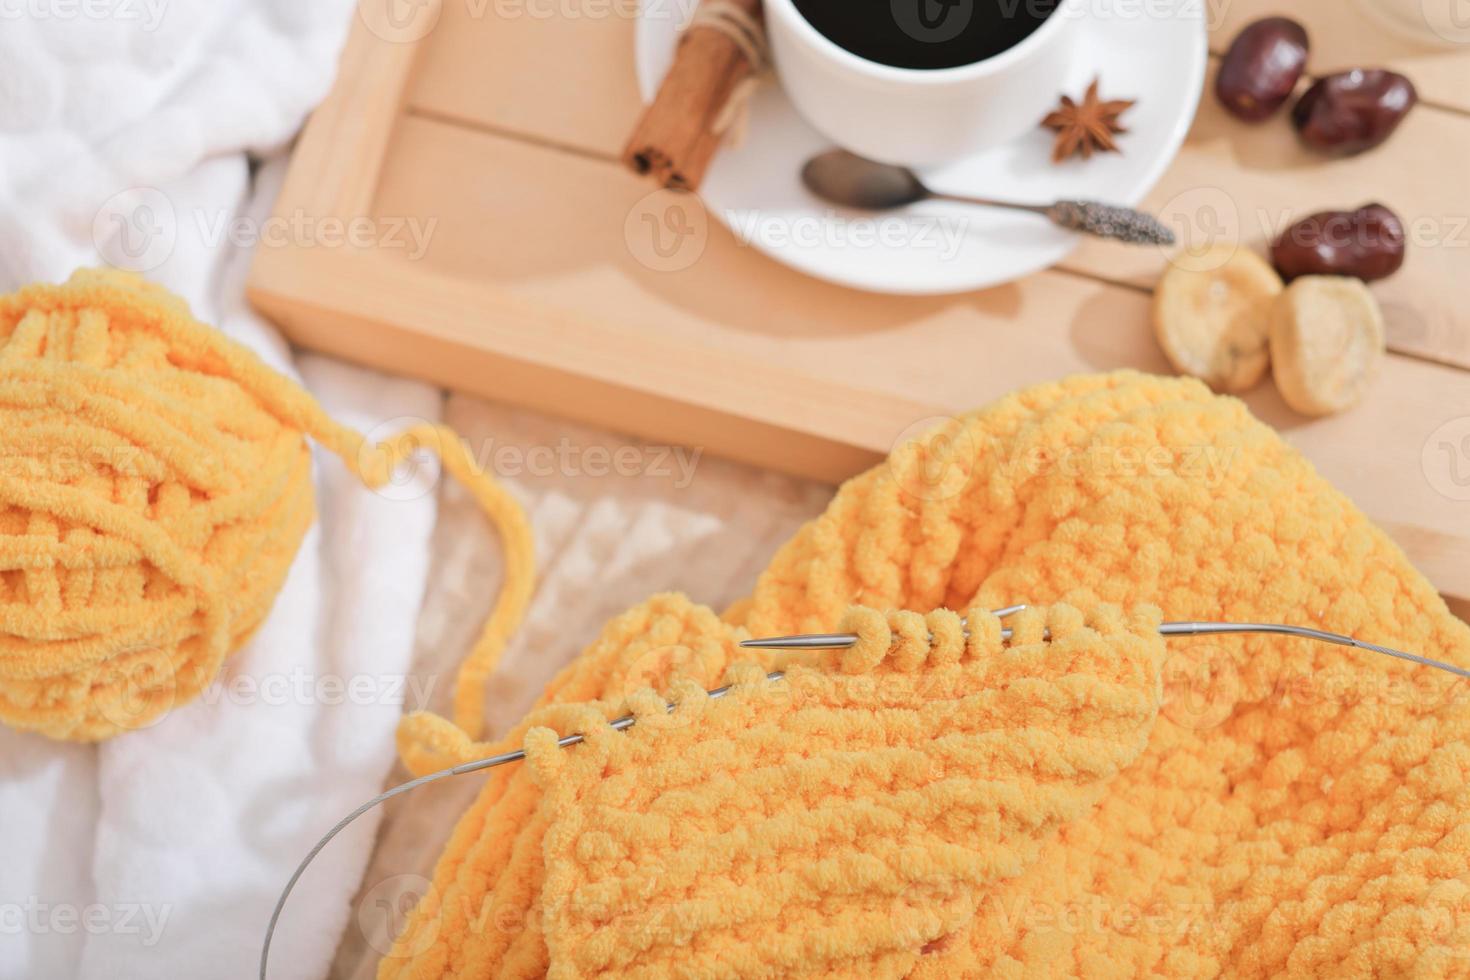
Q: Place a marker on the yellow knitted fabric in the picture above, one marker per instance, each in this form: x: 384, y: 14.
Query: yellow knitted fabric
x: 1100, y: 803
x: 154, y: 489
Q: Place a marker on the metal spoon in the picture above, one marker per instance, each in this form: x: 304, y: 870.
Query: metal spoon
x: 853, y: 181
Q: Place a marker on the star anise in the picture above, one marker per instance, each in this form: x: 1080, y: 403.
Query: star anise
x: 1083, y: 128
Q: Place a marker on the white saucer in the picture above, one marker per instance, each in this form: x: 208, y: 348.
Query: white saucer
x: 1155, y: 53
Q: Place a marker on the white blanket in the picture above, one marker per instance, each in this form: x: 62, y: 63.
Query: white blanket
x: 127, y: 128
x: 126, y: 132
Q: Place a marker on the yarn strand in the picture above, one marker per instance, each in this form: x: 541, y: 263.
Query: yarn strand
x: 156, y: 485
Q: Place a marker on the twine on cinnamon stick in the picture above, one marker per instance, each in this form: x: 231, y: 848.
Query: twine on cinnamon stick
x: 721, y: 56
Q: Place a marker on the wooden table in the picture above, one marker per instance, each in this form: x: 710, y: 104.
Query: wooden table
x: 503, y: 123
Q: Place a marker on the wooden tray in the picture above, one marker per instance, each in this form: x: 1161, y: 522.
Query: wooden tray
x: 502, y: 126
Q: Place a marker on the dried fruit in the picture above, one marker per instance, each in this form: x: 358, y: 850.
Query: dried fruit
x: 1353, y: 111
x: 1261, y: 67
x: 1327, y: 342
x: 1367, y: 243
x: 1212, y: 315
x: 1090, y: 125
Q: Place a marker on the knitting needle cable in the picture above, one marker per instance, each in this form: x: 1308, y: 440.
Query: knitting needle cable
x: 810, y: 641
x: 839, y: 641
x: 463, y: 769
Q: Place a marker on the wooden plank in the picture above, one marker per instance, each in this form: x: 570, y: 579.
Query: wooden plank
x: 483, y: 55
x: 432, y: 329
x: 749, y: 359
x: 595, y: 264
x: 477, y: 63
x: 334, y: 169
x: 1459, y: 607
x: 1346, y: 34
x: 1244, y: 183
x: 556, y: 71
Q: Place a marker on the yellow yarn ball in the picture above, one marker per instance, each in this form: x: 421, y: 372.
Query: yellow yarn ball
x: 155, y: 486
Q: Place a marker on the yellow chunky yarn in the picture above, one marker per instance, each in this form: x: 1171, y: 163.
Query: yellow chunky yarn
x: 155, y: 487
x: 1098, y: 803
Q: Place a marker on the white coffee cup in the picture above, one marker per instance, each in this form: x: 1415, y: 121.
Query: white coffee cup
x: 921, y: 116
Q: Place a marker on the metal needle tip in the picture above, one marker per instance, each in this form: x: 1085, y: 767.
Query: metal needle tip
x: 809, y: 641
x: 835, y: 641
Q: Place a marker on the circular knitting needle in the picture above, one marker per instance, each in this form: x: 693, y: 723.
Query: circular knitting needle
x: 617, y: 725
x: 463, y: 769
x: 840, y: 641
x: 806, y: 641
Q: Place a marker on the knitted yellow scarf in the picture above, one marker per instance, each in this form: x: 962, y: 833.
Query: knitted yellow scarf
x: 1082, y: 798
x: 1102, y: 802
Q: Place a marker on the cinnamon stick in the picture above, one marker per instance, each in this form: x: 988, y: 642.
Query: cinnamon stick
x: 677, y: 135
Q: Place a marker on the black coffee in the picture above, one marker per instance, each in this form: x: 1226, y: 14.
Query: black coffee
x: 926, y: 33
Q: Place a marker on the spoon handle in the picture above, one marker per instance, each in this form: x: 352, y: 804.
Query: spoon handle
x: 1089, y: 217
x: 1110, y: 221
